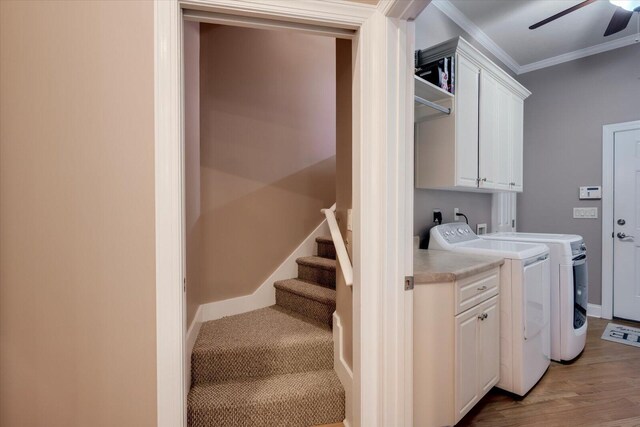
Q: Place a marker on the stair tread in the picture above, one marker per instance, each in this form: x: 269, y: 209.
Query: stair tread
x: 324, y: 239
x: 318, y: 262
x: 308, y: 290
x: 262, y: 328
x: 248, y: 392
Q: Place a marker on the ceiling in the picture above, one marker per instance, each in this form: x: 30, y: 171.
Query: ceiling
x: 503, y: 28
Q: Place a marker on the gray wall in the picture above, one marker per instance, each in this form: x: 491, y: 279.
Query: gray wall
x: 476, y: 206
x: 563, y: 121
x: 433, y: 27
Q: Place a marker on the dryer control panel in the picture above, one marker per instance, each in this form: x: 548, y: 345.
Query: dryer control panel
x: 456, y: 232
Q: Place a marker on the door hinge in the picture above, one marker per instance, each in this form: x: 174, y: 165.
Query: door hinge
x: 408, y: 283
x: 184, y: 284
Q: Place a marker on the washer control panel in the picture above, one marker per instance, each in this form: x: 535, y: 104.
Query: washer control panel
x: 456, y: 232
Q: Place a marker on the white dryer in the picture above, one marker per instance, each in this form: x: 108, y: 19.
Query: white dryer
x: 524, y: 302
x: 569, y: 293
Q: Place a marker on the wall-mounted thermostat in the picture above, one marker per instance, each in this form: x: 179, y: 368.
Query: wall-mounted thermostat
x: 591, y: 193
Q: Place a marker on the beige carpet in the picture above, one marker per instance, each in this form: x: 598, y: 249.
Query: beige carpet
x: 273, y: 366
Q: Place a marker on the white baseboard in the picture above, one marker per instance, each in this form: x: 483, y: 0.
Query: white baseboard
x: 594, y: 310
x: 192, y: 334
x: 265, y: 295
x: 344, y: 372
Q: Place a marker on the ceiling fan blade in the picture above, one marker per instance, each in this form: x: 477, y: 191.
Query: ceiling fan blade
x: 561, y: 14
x: 619, y: 21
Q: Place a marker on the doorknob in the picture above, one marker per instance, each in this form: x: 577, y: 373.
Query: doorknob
x: 621, y: 221
x: 621, y: 236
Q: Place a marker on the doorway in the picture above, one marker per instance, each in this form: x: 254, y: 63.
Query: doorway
x: 621, y: 221
x: 382, y: 184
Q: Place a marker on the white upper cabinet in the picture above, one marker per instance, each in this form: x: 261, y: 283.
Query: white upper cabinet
x: 478, y: 146
x: 466, y: 123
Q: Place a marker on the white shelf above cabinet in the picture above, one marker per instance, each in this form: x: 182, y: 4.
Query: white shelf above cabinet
x: 440, y: 100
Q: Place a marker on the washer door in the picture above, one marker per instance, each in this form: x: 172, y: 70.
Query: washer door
x: 537, y: 276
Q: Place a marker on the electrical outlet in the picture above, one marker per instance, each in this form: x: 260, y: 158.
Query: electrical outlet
x: 455, y: 214
x: 349, y: 220
x: 590, y: 213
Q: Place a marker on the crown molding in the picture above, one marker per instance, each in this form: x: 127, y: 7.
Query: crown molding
x: 580, y: 53
x: 480, y: 36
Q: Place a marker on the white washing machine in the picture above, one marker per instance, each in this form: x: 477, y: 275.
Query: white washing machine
x: 524, y: 302
x: 569, y: 289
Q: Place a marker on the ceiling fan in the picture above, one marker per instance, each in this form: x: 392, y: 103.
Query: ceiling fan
x: 619, y: 21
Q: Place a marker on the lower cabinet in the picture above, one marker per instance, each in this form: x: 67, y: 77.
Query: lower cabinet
x: 477, y: 354
x: 456, y: 347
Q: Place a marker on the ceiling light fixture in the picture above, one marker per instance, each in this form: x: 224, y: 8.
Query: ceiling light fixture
x: 630, y: 5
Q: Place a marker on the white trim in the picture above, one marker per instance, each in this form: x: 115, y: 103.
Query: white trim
x: 608, y: 133
x: 577, y: 54
x: 594, y: 310
x: 265, y: 295
x: 169, y: 218
x: 340, y: 365
x: 480, y: 36
x: 266, y: 24
x: 192, y: 335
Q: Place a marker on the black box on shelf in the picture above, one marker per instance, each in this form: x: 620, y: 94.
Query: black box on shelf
x: 440, y: 73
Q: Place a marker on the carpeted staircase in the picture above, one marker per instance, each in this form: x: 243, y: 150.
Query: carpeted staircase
x: 273, y: 366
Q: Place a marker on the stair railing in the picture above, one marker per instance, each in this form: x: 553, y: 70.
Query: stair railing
x: 338, y: 242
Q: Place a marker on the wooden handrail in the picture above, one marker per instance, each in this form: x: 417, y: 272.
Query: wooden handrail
x: 338, y: 242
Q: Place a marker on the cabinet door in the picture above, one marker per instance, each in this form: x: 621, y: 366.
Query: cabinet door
x: 466, y: 127
x: 488, y: 139
x: 494, y: 140
x: 489, y: 345
x: 516, y: 141
x: 502, y: 147
x: 467, y: 341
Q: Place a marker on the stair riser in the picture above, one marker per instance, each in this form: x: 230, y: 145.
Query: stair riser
x: 218, y: 367
x: 326, y: 250
x: 307, y: 307
x: 317, y: 275
x: 301, y: 411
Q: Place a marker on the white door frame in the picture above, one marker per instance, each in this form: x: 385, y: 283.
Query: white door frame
x: 608, y: 158
x: 382, y: 196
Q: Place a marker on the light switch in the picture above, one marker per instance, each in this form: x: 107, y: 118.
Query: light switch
x: 589, y: 213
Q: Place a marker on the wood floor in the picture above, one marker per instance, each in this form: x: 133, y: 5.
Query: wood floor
x: 600, y: 388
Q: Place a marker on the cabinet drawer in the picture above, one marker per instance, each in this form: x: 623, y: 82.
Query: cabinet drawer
x: 475, y: 289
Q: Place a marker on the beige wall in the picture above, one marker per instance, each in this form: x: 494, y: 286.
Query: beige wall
x: 191, y: 42
x: 344, y: 171
x: 267, y: 122
x: 77, y: 266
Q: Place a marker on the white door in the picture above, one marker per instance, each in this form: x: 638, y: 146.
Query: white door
x: 489, y: 144
x: 467, y: 89
x: 466, y: 361
x: 502, y: 154
x: 516, y: 141
x: 489, y: 342
x: 626, y: 211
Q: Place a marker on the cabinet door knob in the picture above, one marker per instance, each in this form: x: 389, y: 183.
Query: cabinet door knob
x: 512, y: 184
x: 482, y: 288
x: 480, y: 316
x: 484, y: 179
